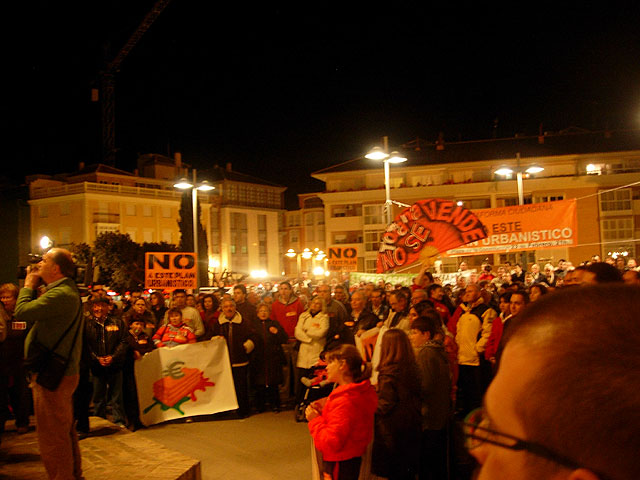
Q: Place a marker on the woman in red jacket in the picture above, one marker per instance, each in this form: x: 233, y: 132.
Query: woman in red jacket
x: 341, y: 425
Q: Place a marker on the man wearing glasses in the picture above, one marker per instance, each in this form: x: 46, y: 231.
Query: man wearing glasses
x: 564, y: 403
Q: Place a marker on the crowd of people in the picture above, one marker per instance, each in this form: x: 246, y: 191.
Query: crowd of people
x: 438, y: 347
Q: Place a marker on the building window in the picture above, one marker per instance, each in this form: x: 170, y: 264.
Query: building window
x: 347, y: 237
x: 595, y: 168
x: 549, y: 198
x: 294, y: 236
x: 262, y: 241
x: 131, y: 209
x: 513, y: 201
x: 166, y: 212
x: 167, y: 236
x: 132, y: 233
x: 370, y: 265
x: 65, y: 236
x: 147, y: 236
x: 147, y: 211
x: 477, y: 203
x: 373, y: 214
x: 372, y: 241
x: 106, y: 228
x: 239, y: 242
x: 616, y: 200
x: 346, y: 210
x: 617, y: 229
x: 65, y: 208
x: 43, y: 211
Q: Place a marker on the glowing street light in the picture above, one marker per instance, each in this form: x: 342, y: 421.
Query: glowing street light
x: 204, y: 186
x: 380, y: 154
x: 505, y: 171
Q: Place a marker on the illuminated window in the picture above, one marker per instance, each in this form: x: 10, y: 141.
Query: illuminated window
x: 594, y: 169
x: 147, y: 211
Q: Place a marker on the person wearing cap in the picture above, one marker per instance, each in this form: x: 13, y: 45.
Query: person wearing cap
x: 105, y: 338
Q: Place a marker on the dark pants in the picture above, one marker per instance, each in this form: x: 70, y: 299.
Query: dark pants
x: 14, y: 391
x: 130, y: 397
x: 241, y: 384
x: 469, y: 388
x: 107, y: 390
x: 433, y: 455
x: 267, y: 394
x: 82, y: 400
x: 344, y: 470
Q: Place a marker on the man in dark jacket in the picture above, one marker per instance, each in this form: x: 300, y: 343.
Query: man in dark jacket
x: 435, y: 380
x: 241, y: 341
x: 106, y: 348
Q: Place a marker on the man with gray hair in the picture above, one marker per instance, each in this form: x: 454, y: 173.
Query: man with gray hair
x: 241, y: 339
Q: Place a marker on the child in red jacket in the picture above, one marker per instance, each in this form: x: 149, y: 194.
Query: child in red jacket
x: 342, y: 424
x: 175, y: 332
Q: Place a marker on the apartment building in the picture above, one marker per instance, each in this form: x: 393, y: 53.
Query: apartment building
x: 599, y: 169
x: 241, y: 216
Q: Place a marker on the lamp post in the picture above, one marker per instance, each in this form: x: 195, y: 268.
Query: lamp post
x: 204, y: 186
x: 378, y: 153
x: 307, y: 254
x: 505, y: 171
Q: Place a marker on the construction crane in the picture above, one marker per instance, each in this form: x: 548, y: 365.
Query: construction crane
x: 107, y: 83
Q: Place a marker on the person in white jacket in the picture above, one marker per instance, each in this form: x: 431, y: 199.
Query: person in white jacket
x: 311, y: 332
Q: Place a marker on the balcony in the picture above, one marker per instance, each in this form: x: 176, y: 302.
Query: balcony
x: 99, y: 217
x: 103, y: 188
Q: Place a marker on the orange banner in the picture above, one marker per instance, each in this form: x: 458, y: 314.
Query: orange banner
x: 170, y: 270
x: 425, y: 229
x: 525, y: 227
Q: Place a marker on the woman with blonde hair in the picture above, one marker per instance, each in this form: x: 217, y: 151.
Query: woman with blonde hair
x: 396, y: 442
x: 341, y: 425
x: 311, y: 332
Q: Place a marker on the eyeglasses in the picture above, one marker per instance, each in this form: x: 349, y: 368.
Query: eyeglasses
x: 477, y: 432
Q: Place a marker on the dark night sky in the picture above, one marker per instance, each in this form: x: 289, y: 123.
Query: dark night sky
x: 282, y: 91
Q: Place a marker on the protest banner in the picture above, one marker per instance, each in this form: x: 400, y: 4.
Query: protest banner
x: 424, y: 230
x: 524, y: 227
x: 183, y: 381
x: 342, y: 259
x: 170, y: 270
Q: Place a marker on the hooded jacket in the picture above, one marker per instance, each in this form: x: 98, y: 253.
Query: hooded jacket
x: 345, y: 427
x: 472, y: 330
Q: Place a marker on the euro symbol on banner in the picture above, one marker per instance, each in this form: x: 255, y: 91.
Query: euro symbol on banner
x: 174, y: 370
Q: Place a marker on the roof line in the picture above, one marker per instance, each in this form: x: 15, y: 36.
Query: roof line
x: 337, y: 165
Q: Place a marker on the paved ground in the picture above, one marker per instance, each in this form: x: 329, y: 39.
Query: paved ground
x: 262, y: 447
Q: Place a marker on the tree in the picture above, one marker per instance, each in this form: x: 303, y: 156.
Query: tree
x: 119, y: 260
x: 186, y: 236
x: 83, y: 256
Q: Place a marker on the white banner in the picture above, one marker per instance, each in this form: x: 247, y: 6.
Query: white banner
x: 184, y: 381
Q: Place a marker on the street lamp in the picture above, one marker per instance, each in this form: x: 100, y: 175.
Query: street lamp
x: 204, y: 186
x: 505, y: 171
x: 378, y: 154
x: 315, y: 254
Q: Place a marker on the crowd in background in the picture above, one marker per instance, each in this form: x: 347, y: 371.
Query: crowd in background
x: 437, y: 351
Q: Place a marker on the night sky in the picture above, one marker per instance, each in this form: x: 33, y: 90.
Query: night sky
x: 282, y: 91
